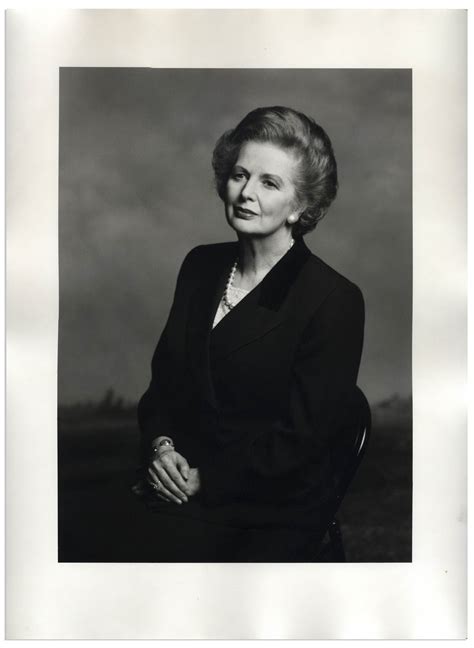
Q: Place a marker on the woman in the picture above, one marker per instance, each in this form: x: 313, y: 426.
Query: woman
x: 256, y: 369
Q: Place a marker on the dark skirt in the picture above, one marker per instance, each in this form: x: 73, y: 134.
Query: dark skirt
x: 156, y: 531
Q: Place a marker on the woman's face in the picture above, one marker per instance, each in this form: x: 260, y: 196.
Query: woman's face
x: 260, y: 192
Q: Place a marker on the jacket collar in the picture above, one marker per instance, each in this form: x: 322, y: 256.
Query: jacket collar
x: 258, y: 313
x: 276, y: 284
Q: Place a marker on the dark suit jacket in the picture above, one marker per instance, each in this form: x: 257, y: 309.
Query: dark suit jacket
x: 254, y: 402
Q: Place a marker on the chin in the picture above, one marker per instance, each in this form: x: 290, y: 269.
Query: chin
x: 243, y: 226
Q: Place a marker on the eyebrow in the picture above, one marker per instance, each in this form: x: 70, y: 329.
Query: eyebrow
x: 266, y: 176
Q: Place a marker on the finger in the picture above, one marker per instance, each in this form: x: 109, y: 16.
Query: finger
x: 152, y: 480
x: 177, y: 486
x: 175, y: 476
x: 162, y: 488
x: 183, y: 466
x: 162, y: 497
x: 170, y: 484
x: 157, y: 493
x: 163, y: 494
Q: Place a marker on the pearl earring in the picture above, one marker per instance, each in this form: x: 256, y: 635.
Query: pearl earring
x: 291, y: 219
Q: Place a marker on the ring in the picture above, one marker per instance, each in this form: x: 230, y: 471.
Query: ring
x: 155, y: 486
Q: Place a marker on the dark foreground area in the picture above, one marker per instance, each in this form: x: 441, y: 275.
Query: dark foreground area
x: 98, y: 453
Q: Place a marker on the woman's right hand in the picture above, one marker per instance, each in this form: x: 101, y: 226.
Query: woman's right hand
x: 167, y: 474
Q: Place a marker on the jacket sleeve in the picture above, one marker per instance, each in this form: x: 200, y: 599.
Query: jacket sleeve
x: 325, y: 372
x: 155, y: 408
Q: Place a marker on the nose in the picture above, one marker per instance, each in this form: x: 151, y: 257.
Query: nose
x: 248, y: 190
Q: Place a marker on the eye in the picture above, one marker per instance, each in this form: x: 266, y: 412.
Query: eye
x: 238, y: 175
x: 270, y: 184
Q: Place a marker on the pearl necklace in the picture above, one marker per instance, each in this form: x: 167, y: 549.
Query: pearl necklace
x: 230, y: 281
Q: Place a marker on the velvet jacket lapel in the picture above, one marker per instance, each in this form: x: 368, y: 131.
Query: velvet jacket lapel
x: 259, y: 312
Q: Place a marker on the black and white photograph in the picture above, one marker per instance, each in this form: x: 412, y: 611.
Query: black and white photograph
x: 235, y: 268
x: 236, y: 315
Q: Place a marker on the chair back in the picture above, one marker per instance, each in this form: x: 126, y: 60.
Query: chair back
x: 347, y: 450
x: 350, y: 444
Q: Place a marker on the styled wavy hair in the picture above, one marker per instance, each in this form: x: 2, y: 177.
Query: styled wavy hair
x: 316, y: 179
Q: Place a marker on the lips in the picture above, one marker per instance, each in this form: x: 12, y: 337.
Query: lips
x: 245, y: 212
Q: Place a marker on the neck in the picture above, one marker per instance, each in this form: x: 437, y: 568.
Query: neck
x: 257, y: 256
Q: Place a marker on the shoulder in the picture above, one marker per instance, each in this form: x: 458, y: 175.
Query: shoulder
x: 209, y: 253
x: 335, y: 304
x: 206, y: 259
x: 330, y: 285
x: 334, y: 279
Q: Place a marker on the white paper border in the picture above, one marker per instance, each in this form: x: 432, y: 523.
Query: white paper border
x: 425, y: 599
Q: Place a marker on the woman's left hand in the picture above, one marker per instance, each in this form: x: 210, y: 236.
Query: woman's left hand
x: 167, y: 474
x: 193, y: 485
x: 180, y: 491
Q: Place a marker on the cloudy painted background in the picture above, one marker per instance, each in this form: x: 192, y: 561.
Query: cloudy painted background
x: 136, y: 193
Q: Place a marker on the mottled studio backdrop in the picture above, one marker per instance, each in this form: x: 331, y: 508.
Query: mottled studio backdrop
x: 136, y: 193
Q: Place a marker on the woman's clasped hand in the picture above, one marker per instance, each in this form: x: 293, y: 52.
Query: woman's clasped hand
x: 171, y: 477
